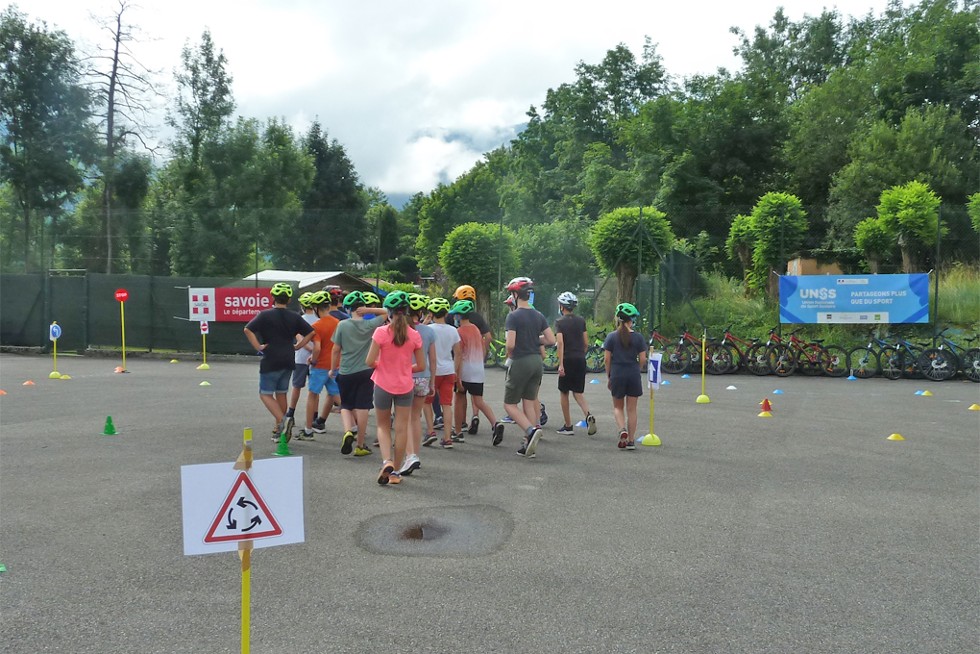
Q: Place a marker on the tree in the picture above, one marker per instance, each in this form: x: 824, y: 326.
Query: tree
x: 910, y: 213
x: 556, y: 255
x: 45, y: 136
x: 973, y: 208
x: 469, y: 253
x: 122, y: 88
x: 873, y: 240
x: 741, y: 240
x: 626, y: 247
x: 780, y: 227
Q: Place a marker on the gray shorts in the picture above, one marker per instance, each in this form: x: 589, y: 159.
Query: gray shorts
x: 300, y: 373
x: 523, y: 379
x: 383, y: 399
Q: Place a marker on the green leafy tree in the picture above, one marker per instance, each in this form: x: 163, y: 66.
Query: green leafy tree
x: 780, y: 228
x: 46, y: 138
x: 741, y: 239
x: 471, y: 254
x: 626, y: 247
x: 556, y: 256
x: 973, y: 208
x: 911, y: 214
x: 874, y: 241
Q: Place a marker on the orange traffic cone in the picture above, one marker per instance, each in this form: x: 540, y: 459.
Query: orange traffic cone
x: 28, y: 383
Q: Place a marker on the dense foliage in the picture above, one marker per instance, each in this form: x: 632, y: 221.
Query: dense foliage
x: 829, y: 121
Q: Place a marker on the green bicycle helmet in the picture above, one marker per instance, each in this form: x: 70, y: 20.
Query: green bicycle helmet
x: 463, y: 307
x: 304, y: 299
x: 319, y: 299
x: 626, y: 311
x: 282, y: 288
x: 371, y: 298
x: 438, y: 305
x: 396, y: 300
x: 417, y: 302
x: 354, y: 299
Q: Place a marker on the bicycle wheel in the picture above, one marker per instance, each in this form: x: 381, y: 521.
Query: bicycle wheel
x: 811, y: 360
x: 756, y: 361
x: 835, y: 364
x: 781, y: 360
x: 676, y: 359
x: 718, y: 359
x: 910, y: 363
x: 971, y: 364
x: 551, y: 358
x: 595, y: 359
x: 936, y: 364
x: 863, y: 362
x: 891, y: 362
x: 738, y: 359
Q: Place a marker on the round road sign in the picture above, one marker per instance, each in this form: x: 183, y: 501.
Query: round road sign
x: 122, y: 294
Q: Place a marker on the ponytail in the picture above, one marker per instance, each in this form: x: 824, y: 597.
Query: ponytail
x: 399, y: 327
x: 624, y: 330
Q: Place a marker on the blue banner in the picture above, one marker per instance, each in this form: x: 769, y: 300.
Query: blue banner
x: 854, y: 298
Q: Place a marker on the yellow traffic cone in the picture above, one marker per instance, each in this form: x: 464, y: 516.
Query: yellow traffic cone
x: 896, y: 437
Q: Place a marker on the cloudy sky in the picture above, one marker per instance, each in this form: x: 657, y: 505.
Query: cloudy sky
x: 417, y: 90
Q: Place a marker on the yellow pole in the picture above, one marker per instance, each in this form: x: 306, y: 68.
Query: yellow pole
x: 702, y: 363
x: 703, y: 398
x: 122, y: 322
x: 651, y: 411
x: 245, y: 550
x: 204, y: 347
x: 54, y: 365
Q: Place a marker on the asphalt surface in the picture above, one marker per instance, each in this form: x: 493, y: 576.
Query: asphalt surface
x: 806, y: 532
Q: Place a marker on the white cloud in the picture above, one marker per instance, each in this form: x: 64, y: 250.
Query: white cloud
x: 379, y: 73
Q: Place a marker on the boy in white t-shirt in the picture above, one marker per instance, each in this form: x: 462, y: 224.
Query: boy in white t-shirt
x: 448, y: 362
x: 302, y: 370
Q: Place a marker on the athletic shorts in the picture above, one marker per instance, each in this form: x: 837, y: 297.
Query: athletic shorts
x: 383, y: 399
x: 444, y: 388
x: 523, y: 379
x: 421, y: 386
x: 473, y: 388
x: 274, y: 382
x: 626, y: 386
x: 356, y: 390
x: 573, y: 381
x: 320, y: 379
x: 300, y: 373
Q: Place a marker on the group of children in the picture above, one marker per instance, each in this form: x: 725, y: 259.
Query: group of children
x: 410, y: 356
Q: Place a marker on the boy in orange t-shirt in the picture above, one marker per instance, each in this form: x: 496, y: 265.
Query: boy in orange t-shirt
x: 320, y: 367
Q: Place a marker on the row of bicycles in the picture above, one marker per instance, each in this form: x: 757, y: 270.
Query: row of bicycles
x: 937, y: 360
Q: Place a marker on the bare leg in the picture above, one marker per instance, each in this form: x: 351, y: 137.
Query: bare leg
x: 429, y: 418
x: 362, y: 421
x: 382, y: 419
x: 347, y: 417
x: 447, y: 421
x: 631, y: 413
x: 618, y: 413
x: 414, y: 444
x: 272, y: 405
x: 459, y: 416
x: 582, y: 403
x: 565, y: 412
x: 518, y: 415
x: 312, y: 402
x: 402, y: 414
x: 480, y: 405
x: 532, y: 411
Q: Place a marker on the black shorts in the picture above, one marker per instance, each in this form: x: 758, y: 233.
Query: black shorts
x: 473, y: 388
x: 356, y: 390
x: 573, y: 381
x: 626, y: 386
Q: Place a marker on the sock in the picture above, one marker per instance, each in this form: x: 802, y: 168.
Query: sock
x: 289, y: 413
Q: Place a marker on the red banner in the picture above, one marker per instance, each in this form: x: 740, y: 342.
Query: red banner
x: 240, y: 304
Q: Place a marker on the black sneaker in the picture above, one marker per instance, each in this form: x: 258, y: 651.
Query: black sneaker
x: 458, y: 438
x: 474, y: 425
x: 320, y: 426
x: 303, y: 435
x: 544, y: 416
x: 532, y: 444
x: 429, y: 439
x: 438, y: 423
x: 498, y: 433
x: 590, y: 421
x: 566, y: 430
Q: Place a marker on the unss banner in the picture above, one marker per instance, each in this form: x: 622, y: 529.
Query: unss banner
x: 854, y: 298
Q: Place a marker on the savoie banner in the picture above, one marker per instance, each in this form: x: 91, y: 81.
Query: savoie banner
x: 854, y: 298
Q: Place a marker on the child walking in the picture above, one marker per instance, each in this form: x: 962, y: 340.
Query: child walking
x: 448, y: 361
x: 320, y: 360
x: 471, y: 374
x: 425, y: 385
x: 625, y: 357
x: 395, y: 354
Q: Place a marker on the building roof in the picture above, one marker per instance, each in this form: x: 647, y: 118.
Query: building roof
x: 306, y: 280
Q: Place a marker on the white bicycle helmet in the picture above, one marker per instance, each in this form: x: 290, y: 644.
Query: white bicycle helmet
x: 567, y: 299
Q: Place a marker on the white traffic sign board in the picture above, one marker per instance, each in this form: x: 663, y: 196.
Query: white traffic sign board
x: 54, y: 332
x: 223, y: 506
x: 204, y: 327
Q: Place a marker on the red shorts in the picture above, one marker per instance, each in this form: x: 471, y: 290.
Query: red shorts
x: 444, y: 389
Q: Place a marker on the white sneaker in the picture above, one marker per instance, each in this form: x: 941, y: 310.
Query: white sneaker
x: 412, y: 463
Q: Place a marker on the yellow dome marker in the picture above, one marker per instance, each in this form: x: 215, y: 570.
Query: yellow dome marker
x: 896, y: 437
x: 174, y: 361
x: 204, y: 366
x: 926, y: 393
x: 974, y: 407
x: 204, y: 383
x: 650, y: 439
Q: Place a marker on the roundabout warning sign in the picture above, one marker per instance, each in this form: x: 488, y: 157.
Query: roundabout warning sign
x: 243, y: 516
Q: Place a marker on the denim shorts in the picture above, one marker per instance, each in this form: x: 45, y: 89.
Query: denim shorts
x: 320, y: 379
x: 274, y: 382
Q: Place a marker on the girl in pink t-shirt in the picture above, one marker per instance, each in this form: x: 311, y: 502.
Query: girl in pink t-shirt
x: 395, y: 353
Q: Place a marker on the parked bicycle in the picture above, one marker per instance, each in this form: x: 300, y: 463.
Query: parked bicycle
x: 944, y: 360
x: 900, y: 359
x: 727, y: 356
x: 863, y: 361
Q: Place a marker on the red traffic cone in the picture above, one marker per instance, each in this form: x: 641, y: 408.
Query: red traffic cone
x: 766, y: 406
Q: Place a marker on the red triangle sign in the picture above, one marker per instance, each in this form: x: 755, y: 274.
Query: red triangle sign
x: 243, y: 515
